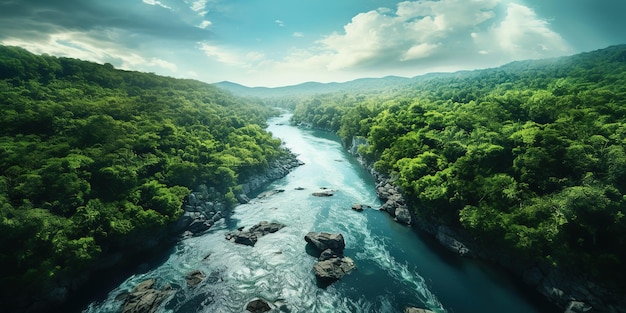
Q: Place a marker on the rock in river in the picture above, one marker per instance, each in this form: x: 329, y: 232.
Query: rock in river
x: 322, y: 241
x: 324, y: 192
x: 145, y: 298
x: 194, y: 278
x: 249, y: 237
x: 359, y: 207
x: 332, y: 265
x: 417, y: 310
x: 258, y: 306
x: 331, y: 270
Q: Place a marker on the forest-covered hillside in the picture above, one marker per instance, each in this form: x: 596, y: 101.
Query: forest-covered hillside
x: 528, y: 158
x: 91, y: 156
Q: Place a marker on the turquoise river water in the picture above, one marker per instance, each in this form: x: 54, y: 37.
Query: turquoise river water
x: 396, y: 266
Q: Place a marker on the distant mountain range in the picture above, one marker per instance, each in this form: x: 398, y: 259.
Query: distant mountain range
x: 395, y: 83
x: 311, y: 88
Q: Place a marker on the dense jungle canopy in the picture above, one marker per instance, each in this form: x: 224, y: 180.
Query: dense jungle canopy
x: 528, y: 158
x: 93, y: 159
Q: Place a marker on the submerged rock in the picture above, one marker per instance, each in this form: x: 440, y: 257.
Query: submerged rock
x: 194, y: 278
x: 324, y: 193
x: 258, y: 306
x: 357, y: 207
x: 144, y: 298
x: 417, y: 310
x: 269, y: 193
x: 360, y: 207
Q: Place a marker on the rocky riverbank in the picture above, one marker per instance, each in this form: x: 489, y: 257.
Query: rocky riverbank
x: 570, y: 291
x: 203, y: 208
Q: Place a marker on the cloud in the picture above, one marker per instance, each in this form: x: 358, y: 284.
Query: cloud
x: 419, y: 51
x: 134, y: 35
x: 523, y: 35
x: 174, y: 37
x: 418, y: 37
x: 205, y: 24
x: 155, y: 2
x: 38, y: 19
x: 414, y: 31
x: 429, y: 35
x: 230, y: 56
x: 83, y: 46
x: 199, y: 5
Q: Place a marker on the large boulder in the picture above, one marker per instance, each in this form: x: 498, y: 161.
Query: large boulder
x: 403, y: 215
x: 331, y: 270
x: 322, y: 241
x: 331, y: 265
x: 144, y: 298
x: 264, y: 227
x: 245, y: 238
x: 249, y: 237
x: 328, y: 254
x: 199, y: 226
x: 194, y: 222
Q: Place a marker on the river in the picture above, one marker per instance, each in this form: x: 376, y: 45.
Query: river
x: 396, y: 266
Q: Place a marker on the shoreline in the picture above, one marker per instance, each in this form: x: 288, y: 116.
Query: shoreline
x: 568, y: 291
x: 198, y: 218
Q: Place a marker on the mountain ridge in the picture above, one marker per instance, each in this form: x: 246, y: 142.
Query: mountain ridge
x: 373, y: 84
x: 311, y: 88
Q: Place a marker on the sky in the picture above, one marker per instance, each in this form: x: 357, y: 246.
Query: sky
x: 286, y: 42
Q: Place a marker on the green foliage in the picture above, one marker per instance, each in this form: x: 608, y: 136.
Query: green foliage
x: 91, y: 156
x: 529, y: 157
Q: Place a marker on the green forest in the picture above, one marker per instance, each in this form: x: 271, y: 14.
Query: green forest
x: 528, y: 159
x: 92, y: 157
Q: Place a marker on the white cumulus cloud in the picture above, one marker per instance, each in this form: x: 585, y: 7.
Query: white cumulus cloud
x: 413, y: 31
x: 432, y: 35
x: 523, y: 35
